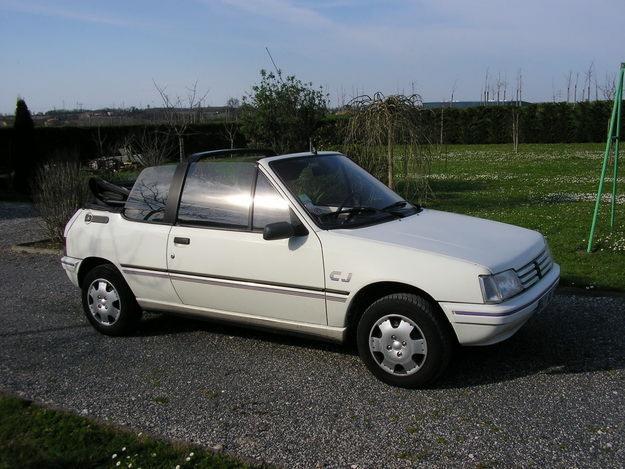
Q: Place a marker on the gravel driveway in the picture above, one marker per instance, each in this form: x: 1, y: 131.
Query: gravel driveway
x: 552, y: 395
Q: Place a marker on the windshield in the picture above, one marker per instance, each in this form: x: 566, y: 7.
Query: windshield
x: 337, y: 193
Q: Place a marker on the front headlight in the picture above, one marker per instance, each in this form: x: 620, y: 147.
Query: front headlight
x: 548, y: 250
x: 500, y: 287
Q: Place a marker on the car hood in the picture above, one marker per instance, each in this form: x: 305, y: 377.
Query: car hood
x: 494, y: 245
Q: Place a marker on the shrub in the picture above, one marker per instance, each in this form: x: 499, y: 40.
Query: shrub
x: 377, y: 125
x: 282, y: 114
x: 59, y: 189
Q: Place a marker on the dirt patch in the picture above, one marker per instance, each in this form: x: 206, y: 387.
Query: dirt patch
x: 44, y: 246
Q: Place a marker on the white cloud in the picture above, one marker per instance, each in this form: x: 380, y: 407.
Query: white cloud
x: 281, y: 10
x: 59, y: 12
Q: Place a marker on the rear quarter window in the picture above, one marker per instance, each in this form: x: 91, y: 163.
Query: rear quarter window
x: 148, y: 196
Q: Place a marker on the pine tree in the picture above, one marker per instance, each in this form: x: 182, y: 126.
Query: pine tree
x: 23, y: 154
x: 23, y: 119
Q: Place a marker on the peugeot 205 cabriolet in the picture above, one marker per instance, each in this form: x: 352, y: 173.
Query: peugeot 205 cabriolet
x: 308, y: 243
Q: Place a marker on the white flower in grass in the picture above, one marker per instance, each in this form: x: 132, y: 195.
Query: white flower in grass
x: 188, y: 459
x: 119, y: 463
x: 178, y: 466
x: 124, y: 448
x: 191, y: 454
x: 114, y: 456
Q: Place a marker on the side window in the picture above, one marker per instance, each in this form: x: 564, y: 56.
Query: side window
x: 269, y: 205
x: 217, y: 194
x: 148, y: 197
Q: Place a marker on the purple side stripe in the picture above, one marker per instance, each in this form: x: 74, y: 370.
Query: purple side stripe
x: 514, y: 311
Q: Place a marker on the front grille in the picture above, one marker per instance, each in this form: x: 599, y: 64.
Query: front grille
x: 533, y: 271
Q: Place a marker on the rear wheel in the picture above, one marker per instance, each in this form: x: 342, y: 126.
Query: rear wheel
x: 403, y: 341
x: 108, y: 302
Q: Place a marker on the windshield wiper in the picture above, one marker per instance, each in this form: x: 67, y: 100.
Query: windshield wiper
x: 398, y: 204
x: 360, y: 209
x: 350, y: 210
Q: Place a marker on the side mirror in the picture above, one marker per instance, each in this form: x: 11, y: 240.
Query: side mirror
x: 278, y: 230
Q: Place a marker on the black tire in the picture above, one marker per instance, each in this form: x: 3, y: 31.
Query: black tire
x: 129, y: 314
x: 430, y: 326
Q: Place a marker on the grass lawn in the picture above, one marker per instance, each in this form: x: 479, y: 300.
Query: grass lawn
x: 549, y: 188
x: 32, y: 437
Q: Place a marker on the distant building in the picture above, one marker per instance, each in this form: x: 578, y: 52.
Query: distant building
x: 468, y: 104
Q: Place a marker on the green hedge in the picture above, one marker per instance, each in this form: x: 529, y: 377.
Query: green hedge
x: 539, y: 123
x: 84, y: 140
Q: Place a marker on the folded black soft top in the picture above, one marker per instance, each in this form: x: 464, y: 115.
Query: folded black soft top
x: 106, y: 195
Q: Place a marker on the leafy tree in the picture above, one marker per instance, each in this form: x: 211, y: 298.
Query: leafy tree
x: 24, y: 147
x: 282, y: 113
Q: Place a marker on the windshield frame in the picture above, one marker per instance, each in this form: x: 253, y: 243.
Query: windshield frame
x: 373, y: 219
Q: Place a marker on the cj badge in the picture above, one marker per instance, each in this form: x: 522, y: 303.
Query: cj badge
x: 337, y: 276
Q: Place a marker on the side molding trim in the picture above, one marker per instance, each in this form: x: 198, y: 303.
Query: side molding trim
x: 244, y: 284
x: 334, y: 334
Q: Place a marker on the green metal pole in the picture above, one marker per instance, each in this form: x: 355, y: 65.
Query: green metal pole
x: 616, y: 144
x: 606, y: 157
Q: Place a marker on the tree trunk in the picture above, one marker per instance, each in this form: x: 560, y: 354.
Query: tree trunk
x: 181, y: 147
x: 390, y: 156
x: 442, y: 124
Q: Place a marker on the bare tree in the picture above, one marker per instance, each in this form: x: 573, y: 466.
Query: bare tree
x: 453, y: 92
x: 608, y: 89
x: 568, y: 86
x: 588, y: 80
x: 505, y: 86
x: 518, y: 92
x: 181, y: 112
x: 485, y: 89
x: 515, y: 129
x: 575, y: 89
x: 516, y: 111
x: 231, y: 120
x: 100, y: 141
x: 151, y: 148
x: 499, y: 85
x: 451, y: 103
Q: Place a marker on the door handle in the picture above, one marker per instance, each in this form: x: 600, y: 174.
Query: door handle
x: 178, y: 240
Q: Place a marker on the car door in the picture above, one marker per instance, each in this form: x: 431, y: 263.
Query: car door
x: 140, y: 238
x: 218, y: 259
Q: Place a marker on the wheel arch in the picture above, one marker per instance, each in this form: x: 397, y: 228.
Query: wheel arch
x: 368, y: 294
x: 87, y: 264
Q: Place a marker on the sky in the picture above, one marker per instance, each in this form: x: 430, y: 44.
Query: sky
x: 110, y: 53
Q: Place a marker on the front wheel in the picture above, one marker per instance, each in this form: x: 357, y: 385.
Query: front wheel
x: 108, y: 302
x: 403, y: 341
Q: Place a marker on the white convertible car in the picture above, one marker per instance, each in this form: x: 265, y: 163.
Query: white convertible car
x: 311, y: 244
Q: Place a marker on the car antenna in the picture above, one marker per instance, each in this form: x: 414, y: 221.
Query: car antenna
x: 312, y: 149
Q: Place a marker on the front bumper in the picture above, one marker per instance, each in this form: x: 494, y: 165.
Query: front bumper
x: 71, y: 265
x: 485, y: 324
